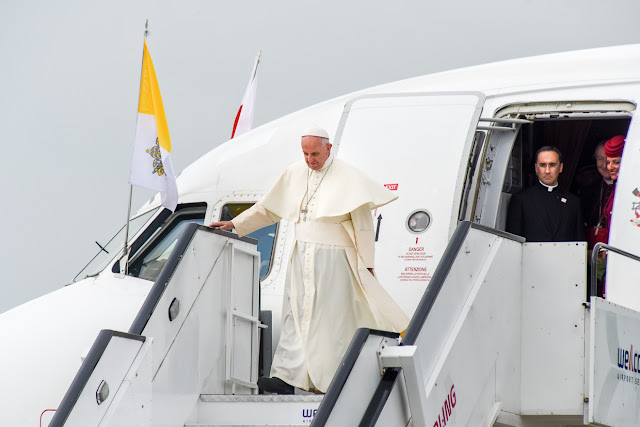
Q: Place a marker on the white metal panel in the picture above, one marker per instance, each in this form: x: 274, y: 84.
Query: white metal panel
x: 479, y: 363
x: 177, y: 383
x: 112, y: 368
x: 553, y: 290
x: 255, y: 410
x: 132, y: 404
x: 194, y: 268
x: 243, y: 279
x: 614, y: 389
x: 419, y: 143
x: 210, y: 312
x: 452, y: 298
x: 243, y: 347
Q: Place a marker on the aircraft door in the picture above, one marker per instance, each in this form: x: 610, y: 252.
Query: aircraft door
x: 417, y: 145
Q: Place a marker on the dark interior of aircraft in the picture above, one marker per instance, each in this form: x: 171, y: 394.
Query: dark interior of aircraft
x: 575, y: 138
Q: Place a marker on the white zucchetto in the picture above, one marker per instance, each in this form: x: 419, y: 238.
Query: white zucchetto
x: 315, y: 131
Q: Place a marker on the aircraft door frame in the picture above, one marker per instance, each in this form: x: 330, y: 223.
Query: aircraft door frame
x: 488, y: 200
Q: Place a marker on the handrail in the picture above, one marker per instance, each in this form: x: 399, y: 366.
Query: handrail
x: 150, y: 303
x: 84, y: 373
x: 376, y: 405
x: 344, y: 370
x: 594, y: 258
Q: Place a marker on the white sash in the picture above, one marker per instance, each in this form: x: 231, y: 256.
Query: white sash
x: 323, y: 233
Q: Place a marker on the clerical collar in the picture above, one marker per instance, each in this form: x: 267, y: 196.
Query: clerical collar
x: 608, y: 181
x: 549, y: 187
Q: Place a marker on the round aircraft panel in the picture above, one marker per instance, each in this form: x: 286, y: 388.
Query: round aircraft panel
x: 418, y: 221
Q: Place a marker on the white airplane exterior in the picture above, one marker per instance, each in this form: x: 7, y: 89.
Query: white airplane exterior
x: 454, y: 146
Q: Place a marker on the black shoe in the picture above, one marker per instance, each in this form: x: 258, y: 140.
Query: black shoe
x: 274, y: 386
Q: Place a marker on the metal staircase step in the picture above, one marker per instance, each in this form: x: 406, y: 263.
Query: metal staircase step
x: 247, y: 425
x: 255, y: 410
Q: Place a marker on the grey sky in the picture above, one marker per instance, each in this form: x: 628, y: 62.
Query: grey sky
x: 70, y: 76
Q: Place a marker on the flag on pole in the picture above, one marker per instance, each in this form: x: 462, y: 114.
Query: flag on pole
x: 244, y: 118
x: 151, y: 164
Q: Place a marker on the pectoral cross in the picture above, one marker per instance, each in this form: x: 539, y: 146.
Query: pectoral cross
x: 304, y: 212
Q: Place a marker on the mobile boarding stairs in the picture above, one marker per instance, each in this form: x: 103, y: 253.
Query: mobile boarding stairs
x: 503, y: 336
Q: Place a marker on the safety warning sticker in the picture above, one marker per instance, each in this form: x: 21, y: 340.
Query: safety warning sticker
x: 414, y: 265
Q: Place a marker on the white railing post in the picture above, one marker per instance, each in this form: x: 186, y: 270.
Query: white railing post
x: 404, y: 357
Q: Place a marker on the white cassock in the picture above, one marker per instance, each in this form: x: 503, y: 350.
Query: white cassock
x: 329, y: 291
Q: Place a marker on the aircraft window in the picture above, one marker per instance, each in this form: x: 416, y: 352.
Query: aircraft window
x: 266, y: 236
x: 151, y: 255
x: 114, y: 246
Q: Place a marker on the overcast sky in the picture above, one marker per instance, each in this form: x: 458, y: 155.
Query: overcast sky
x: 70, y: 74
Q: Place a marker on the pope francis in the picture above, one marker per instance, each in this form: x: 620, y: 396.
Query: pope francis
x: 330, y: 288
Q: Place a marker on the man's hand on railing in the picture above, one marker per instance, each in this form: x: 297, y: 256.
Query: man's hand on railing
x: 222, y: 225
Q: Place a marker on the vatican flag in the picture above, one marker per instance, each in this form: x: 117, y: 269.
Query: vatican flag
x: 151, y: 164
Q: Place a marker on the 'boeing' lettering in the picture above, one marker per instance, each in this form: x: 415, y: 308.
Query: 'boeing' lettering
x: 447, y: 409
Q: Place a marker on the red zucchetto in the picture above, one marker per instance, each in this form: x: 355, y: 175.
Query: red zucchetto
x: 614, y: 146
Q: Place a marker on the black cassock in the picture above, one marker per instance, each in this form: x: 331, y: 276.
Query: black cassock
x: 540, y: 215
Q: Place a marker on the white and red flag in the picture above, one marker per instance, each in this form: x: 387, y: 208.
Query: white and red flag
x: 151, y: 165
x: 244, y: 118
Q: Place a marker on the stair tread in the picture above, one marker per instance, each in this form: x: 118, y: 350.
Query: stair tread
x: 246, y: 425
x: 284, y: 398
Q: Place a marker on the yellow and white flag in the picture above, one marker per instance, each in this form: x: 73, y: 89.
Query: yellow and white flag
x: 151, y: 164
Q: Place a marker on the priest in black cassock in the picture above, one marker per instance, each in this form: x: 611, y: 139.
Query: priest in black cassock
x: 542, y: 212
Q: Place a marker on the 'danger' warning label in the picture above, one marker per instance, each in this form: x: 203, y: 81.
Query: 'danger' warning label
x: 415, y: 253
x: 415, y: 274
x: 414, y: 268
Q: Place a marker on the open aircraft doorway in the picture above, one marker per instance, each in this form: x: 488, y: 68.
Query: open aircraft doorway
x: 575, y: 128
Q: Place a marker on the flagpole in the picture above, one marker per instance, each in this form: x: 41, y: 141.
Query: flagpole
x: 125, y: 252
x: 255, y: 66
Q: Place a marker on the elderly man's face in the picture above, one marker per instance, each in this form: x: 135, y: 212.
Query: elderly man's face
x: 601, y: 162
x: 548, y: 167
x: 315, y: 151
